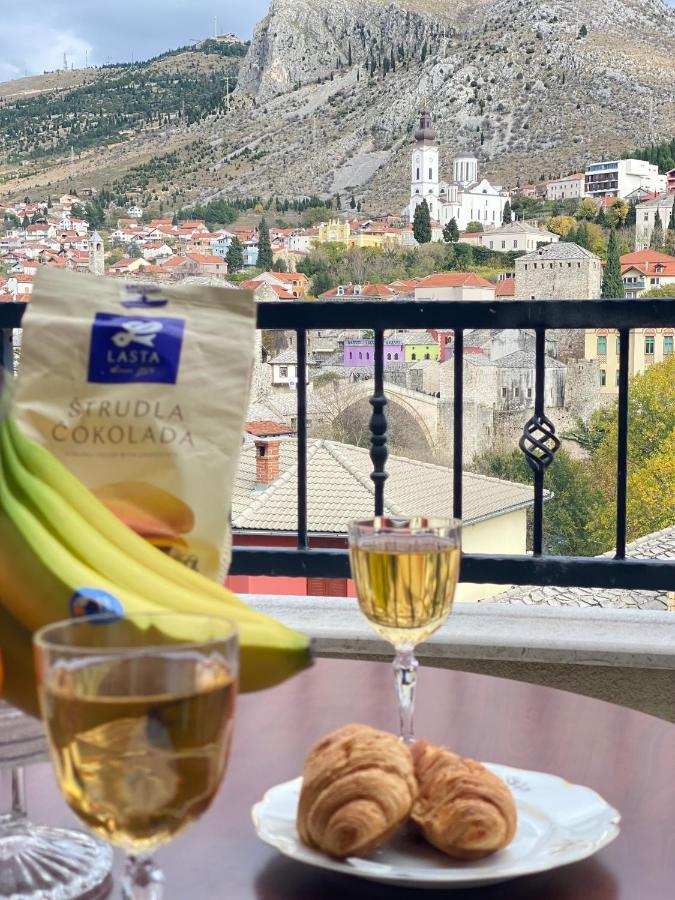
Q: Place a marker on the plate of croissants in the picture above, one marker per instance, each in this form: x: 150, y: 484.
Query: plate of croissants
x: 371, y: 806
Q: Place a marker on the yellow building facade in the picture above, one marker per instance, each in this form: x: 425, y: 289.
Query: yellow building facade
x: 646, y: 347
x: 334, y: 232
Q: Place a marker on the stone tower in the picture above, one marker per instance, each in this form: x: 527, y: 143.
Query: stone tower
x: 96, y: 254
x: 424, y: 182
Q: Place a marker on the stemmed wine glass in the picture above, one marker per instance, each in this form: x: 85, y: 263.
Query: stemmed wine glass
x: 139, y: 714
x: 405, y: 571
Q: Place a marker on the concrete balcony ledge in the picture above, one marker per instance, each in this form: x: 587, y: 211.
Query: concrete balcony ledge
x: 621, y: 656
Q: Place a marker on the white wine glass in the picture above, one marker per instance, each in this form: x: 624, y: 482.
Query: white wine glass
x: 405, y: 571
x: 139, y: 714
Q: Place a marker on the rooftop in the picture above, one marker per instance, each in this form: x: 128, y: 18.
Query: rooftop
x: 454, y: 279
x: 339, y: 489
x: 558, y: 251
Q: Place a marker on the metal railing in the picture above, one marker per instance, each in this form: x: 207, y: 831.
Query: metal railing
x: 539, y: 441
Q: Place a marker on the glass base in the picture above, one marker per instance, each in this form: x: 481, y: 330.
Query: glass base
x: 40, y: 863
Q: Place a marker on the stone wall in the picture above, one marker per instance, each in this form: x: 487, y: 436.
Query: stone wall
x: 574, y: 279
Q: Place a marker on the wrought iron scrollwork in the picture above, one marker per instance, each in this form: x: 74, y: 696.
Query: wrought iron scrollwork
x: 539, y: 443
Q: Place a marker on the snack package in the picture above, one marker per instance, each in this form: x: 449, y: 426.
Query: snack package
x: 141, y: 391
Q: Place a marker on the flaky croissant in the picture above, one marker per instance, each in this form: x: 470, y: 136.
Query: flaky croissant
x: 462, y: 808
x: 358, y: 787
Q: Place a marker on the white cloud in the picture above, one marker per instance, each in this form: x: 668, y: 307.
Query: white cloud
x: 31, y: 47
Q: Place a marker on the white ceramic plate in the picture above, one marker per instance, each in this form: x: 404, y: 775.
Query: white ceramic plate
x: 558, y: 823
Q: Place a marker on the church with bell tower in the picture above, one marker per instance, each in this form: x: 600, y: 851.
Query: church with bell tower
x: 467, y: 198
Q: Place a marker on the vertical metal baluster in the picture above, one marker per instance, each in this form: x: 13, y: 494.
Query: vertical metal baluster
x: 539, y: 386
x: 622, y: 448
x: 378, y: 426
x: 458, y: 424
x: 6, y: 352
x: 301, y: 341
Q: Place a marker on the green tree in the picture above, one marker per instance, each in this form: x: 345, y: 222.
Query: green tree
x: 451, y: 232
x: 265, y: 257
x: 279, y: 265
x: 338, y: 202
x: 507, y: 214
x: 583, y: 32
x: 601, y: 218
x: 422, y: 223
x: 321, y: 282
x: 664, y: 290
x: 586, y: 209
x: 631, y: 217
x: 657, y: 240
x: 235, y: 255
x: 612, y: 283
x: 462, y: 257
x: 352, y: 203
x: 581, y: 237
x: 617, y: 213
x: 651, y: 450
x: 568, y: 515
x: 474, y: 228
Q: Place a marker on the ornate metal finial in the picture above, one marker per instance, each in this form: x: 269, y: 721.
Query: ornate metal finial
x: 539, y: 443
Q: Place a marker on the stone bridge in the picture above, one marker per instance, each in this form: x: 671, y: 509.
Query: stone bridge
x: 427, y: 411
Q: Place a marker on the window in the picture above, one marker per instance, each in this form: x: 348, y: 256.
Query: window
x: 616, y: 379
x: 654, y: 280
x: 667, y: 344
x: 503, y: 245
x: 618, y: 345
x: 603, y: 377
x: 427, y: 356
x: 649, y: 343
x: 492, y: 244
x: 417, y: 177
x: 413, y: 356
x: 350, y: 354
x: 529, y: 393
x: 516, y: 392
x: 283, y: 371
x: 504, y: 392
x: 395, y: 355
x: 431, y: 174
x: 360, y: 355
x: 388, y: 355
x: 602, y: 345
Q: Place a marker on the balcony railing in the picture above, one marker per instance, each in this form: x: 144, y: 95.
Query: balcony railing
x: 539, y: 441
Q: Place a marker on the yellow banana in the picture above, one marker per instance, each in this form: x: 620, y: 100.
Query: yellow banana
x: 39, y: 578
x: 105, y: 557
x: 45, y: 466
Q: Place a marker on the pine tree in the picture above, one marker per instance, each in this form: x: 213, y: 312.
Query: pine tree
x: 422, y: 223
x: 581, y: 237
x: 393, y: 61
x: 265, y: 257
x: 612, y: 283
x: 338, y: 202
x: 424, y: 51
x: 349, y: 55
x: 352, y: 202
x: 235, y: 255
x: 631, y: 218
x: 657, y: 239
x: 601, y: 218
x: 451, y: 232
x: 507, y: 214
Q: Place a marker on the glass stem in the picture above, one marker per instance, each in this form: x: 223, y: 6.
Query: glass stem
x: 405, y: 670
x: 15, y: 788
x: 143, y: 880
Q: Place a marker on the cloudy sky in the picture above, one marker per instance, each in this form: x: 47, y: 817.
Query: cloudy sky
x: 34, y: 34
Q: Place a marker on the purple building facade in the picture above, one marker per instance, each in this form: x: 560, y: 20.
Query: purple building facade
x: 361, y: 352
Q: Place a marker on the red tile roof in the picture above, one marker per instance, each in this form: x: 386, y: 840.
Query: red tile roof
x: 281, y: 292
x: 207, y: 259
x: 266, y: 427
x: 644, y: 256
x: 506, y: 287
x: 455, y: 279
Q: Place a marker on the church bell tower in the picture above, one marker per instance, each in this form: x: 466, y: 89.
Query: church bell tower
x: 424, y: 173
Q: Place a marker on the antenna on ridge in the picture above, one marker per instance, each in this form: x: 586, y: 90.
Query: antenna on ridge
x: 65, y: 62
x: 215, y: 27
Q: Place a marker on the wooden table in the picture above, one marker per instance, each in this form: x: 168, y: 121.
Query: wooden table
x: 627, y: 756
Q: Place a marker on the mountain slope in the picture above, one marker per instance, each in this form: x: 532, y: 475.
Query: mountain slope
x: 330, y: 92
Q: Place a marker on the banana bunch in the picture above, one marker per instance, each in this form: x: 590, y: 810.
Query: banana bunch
x: 63, y: 553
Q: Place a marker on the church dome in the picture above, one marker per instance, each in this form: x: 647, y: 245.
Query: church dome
x: 425, y: 131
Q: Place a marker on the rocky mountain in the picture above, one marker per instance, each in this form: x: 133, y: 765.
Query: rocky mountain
x: 330, y: 91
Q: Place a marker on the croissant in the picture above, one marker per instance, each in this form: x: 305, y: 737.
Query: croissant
x: 358, y: 786
x: 462, y: 808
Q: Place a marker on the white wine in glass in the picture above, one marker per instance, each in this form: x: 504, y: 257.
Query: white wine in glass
x: 405, y: 572
x: 139, y: 715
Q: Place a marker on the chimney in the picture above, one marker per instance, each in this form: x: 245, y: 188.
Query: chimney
x: 266, y: 462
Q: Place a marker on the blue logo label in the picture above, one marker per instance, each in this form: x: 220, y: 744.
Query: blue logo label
x: 139, y: 348
x: 88, y: 601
